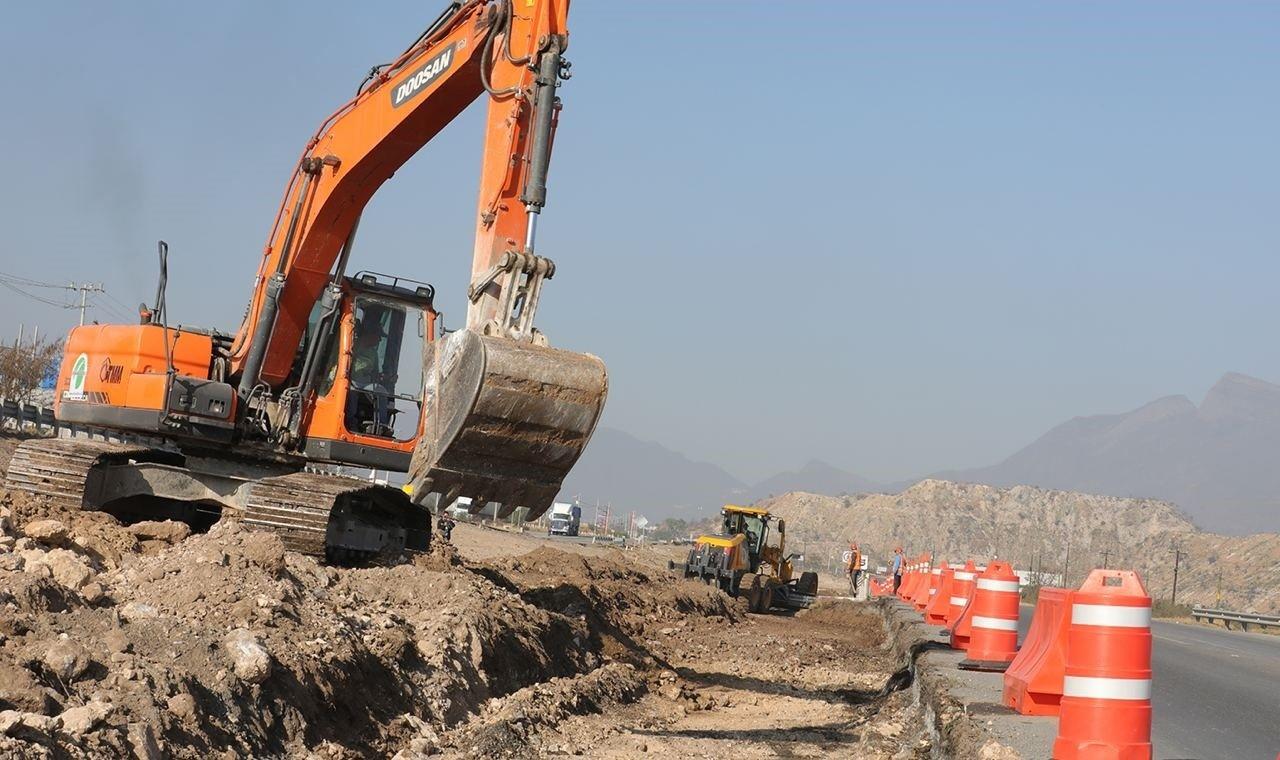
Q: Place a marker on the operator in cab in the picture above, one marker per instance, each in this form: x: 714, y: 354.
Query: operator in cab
x: 369, y: 410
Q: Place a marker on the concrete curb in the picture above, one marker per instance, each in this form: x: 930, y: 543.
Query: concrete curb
x: 956, y: 732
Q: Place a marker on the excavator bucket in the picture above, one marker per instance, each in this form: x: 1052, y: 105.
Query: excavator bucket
x: 504, y: 421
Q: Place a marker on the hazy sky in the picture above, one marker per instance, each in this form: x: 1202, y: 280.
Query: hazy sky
x: 896, y: 237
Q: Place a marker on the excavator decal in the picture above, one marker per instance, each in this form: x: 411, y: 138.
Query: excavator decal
x: 422, y: 77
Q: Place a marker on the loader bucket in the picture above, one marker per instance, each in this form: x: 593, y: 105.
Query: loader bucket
x: 503, y: 421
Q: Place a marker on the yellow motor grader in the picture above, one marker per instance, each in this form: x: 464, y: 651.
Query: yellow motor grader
x: 740, y: 561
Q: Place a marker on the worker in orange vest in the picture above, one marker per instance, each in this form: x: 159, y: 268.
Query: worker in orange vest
x: 855, y: 568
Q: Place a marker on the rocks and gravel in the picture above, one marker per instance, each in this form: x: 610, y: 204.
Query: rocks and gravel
x: 150, y: 641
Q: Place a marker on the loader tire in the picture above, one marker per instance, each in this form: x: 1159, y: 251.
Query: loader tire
x: 756, y: 594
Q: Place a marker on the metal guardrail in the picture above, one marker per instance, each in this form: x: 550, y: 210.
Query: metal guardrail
x: 1243, y: 619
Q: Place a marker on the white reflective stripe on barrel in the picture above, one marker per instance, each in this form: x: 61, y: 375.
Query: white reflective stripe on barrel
x: 1115, y: 616
x: 933, y: 591
x: 995, y: 624
x: 959, y: 601
x: 963, y: 576
x: 990, y: 584
x: 1106, y: 688
x: 937, y: 571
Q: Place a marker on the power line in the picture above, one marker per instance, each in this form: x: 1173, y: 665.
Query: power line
x: 111, y: 310
x: 34, y: 297
x: 15, y: 284
x: 28, y: 282
x: 127, y: 309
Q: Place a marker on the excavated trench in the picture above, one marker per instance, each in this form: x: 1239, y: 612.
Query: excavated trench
x: 149, y: 640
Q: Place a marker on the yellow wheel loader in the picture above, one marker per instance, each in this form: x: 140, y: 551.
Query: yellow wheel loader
x: 741, y: 561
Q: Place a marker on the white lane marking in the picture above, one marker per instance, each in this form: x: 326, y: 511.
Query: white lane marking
x: 1200, y: 643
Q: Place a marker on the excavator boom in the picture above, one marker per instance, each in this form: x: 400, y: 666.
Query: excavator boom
x: 505, y: 416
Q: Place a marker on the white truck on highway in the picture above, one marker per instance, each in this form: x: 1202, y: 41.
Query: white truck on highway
x: 565, y: 519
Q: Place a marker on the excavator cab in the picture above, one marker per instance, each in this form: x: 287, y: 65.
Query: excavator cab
x: 369, y: 396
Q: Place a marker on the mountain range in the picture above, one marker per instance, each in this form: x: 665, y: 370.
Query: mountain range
x: 632, y: 474
x: 1217, y: 461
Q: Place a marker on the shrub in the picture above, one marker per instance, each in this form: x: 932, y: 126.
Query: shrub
x: 23, y: 368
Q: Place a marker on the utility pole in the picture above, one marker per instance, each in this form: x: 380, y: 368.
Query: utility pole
x: 1177, y: 557
x: 85, y: 289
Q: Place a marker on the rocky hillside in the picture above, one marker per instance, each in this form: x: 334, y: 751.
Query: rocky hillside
x: 1035, y: 526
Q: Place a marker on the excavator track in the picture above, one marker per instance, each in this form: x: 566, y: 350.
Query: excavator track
x: 336, y: 517
x: 370, y: 518
x: 59, y: 468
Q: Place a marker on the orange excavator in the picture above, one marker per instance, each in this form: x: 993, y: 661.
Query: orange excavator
x: 332, y: 369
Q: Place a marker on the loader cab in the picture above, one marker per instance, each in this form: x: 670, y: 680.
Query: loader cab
x: 752, y: 523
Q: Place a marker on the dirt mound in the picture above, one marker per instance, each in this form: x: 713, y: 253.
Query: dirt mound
x: 625, y: 605
x: 144, y: 639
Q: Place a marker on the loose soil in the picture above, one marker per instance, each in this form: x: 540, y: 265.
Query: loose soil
x: 146, y: 641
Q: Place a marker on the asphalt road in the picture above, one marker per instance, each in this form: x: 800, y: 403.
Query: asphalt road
x: 1215, y: 693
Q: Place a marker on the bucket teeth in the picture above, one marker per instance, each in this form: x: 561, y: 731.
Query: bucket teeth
x: 504, y: 421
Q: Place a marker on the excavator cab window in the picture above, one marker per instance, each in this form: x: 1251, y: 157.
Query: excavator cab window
x: 377, y: 401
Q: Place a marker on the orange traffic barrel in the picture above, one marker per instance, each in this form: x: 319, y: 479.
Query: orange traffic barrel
x: 911, y: 582
x: 1033, y: 682
x: 961, y: 591
x: 993, y: 637
x: 1106, y: 692
x: 960, y: 630
x: 908, y: 578
x: 935, y: 613
x: 961, y: 627
x: 913, y: 587
x: 905, y: 584
x: 928, y: 587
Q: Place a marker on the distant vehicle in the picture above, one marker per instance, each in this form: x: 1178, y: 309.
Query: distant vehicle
x: 741, y: 553
x: 566, y: 519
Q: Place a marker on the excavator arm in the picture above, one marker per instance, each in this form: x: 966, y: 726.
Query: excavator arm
x: 505, y: 416
x: 501, y: 47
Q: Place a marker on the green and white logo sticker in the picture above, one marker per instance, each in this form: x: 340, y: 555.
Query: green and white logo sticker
x: 79, y: 371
